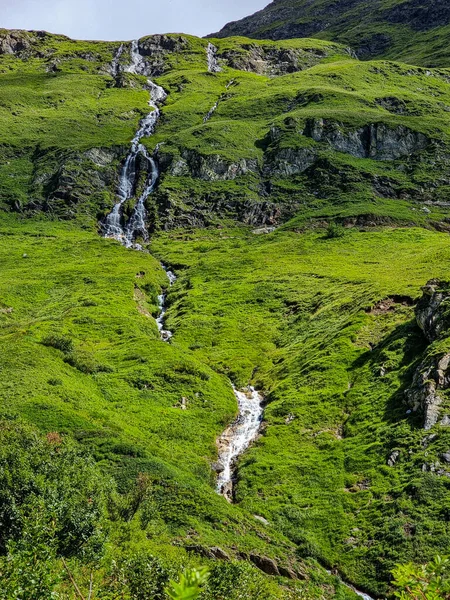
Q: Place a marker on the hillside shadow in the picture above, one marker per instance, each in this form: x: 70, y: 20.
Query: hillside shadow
x: 410, y: 341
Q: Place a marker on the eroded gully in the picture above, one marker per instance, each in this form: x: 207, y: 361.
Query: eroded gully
x: 237, y: 438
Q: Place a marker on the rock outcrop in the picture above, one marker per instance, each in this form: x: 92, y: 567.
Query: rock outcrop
x: 212, y: 167
x: 377, y: 140
x: 432, y: 377
x: 272, y: 61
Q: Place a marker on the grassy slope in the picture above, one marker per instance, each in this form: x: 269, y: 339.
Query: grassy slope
x: 117, y: 389
x: 287, y: 312
x: 284, y: 311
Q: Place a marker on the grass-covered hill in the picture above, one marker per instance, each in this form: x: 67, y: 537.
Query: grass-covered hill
x: 107, y: 434
x: 415, y: 31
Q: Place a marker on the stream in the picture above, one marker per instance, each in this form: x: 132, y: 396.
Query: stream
x: 164, y: 333
x: 238, y: 437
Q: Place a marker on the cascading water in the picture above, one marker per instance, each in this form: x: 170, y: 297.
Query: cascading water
x: 112, y: 226
x: 165, y: 333
x: 238, y: 437
x: 211, y: 53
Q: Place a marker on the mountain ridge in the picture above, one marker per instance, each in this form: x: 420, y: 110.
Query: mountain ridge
x: 405, y: 30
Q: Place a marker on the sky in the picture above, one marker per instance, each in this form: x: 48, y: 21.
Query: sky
x: 124, y: 19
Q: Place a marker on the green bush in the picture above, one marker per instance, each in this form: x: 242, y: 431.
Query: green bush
x: 334, y: 231
x: 423, y: 582
x: 51, y: 474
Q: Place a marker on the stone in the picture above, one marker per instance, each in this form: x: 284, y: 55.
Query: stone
x: 219, y: 553
x: 288, y: 572
x: 446, y: 456
x: 261, y: 519
x: 265, y: 564
x: 393, y: 458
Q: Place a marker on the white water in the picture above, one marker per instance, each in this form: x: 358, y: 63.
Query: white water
x: 165, y: 333
x: 115, y: 65
x: 112, y: 226
x: 211, y: 112
x: 213, y: 65
x: 238, y: 437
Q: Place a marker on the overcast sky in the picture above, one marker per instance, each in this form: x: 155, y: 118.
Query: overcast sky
x: 124, y: 19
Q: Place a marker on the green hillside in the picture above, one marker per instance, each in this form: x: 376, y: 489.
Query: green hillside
x: 303, y: 202
x: 413, y: 31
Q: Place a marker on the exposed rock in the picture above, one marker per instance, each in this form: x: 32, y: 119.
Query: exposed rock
x: 393, y: 458
x: 271, y: 61
x: 420, y: 15
x: 287, y: 572
x: 263, y: 230
x: 289, y: 161
x: 212, y: 553
x: 261, y: 519
x: 433, y: 309
x: 446, y: 456
x: 376, y: 141
x: 101, y: 156
x: 432, y: 376
x: 155, y: 49
x: 14, y: 42
x: 265, y: 564
x: 218, y: 467
x: 212, y: 167
x: 219, y: 553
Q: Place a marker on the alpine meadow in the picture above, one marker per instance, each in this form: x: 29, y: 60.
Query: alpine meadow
x: 225, y: 309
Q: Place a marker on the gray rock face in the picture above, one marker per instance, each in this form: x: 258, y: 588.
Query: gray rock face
x: 155, y: 50
x: 270, y: 61
x: 376, y: 141
x: 289, y: 161
x: 433, y: 375
x: 446, y: 456
x: 212, y: 167
x: 432, y: 312
x: 14, y: 42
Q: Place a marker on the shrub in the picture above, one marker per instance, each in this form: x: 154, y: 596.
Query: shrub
x: 334, y: 230
x: 423, y: 582
x: 50, y: 473
x: 60, y: 342
x: 190, y: 585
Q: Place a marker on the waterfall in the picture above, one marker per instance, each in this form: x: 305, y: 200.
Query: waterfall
x: 112, y: 226
x: 115, y: 65
x: 238, y: 437
x: 211, y: 112
x: 165, y: 333
x: 211, y: 53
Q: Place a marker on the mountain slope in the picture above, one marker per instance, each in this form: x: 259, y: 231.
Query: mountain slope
x: 302, y: 200
x: 412, y: 31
